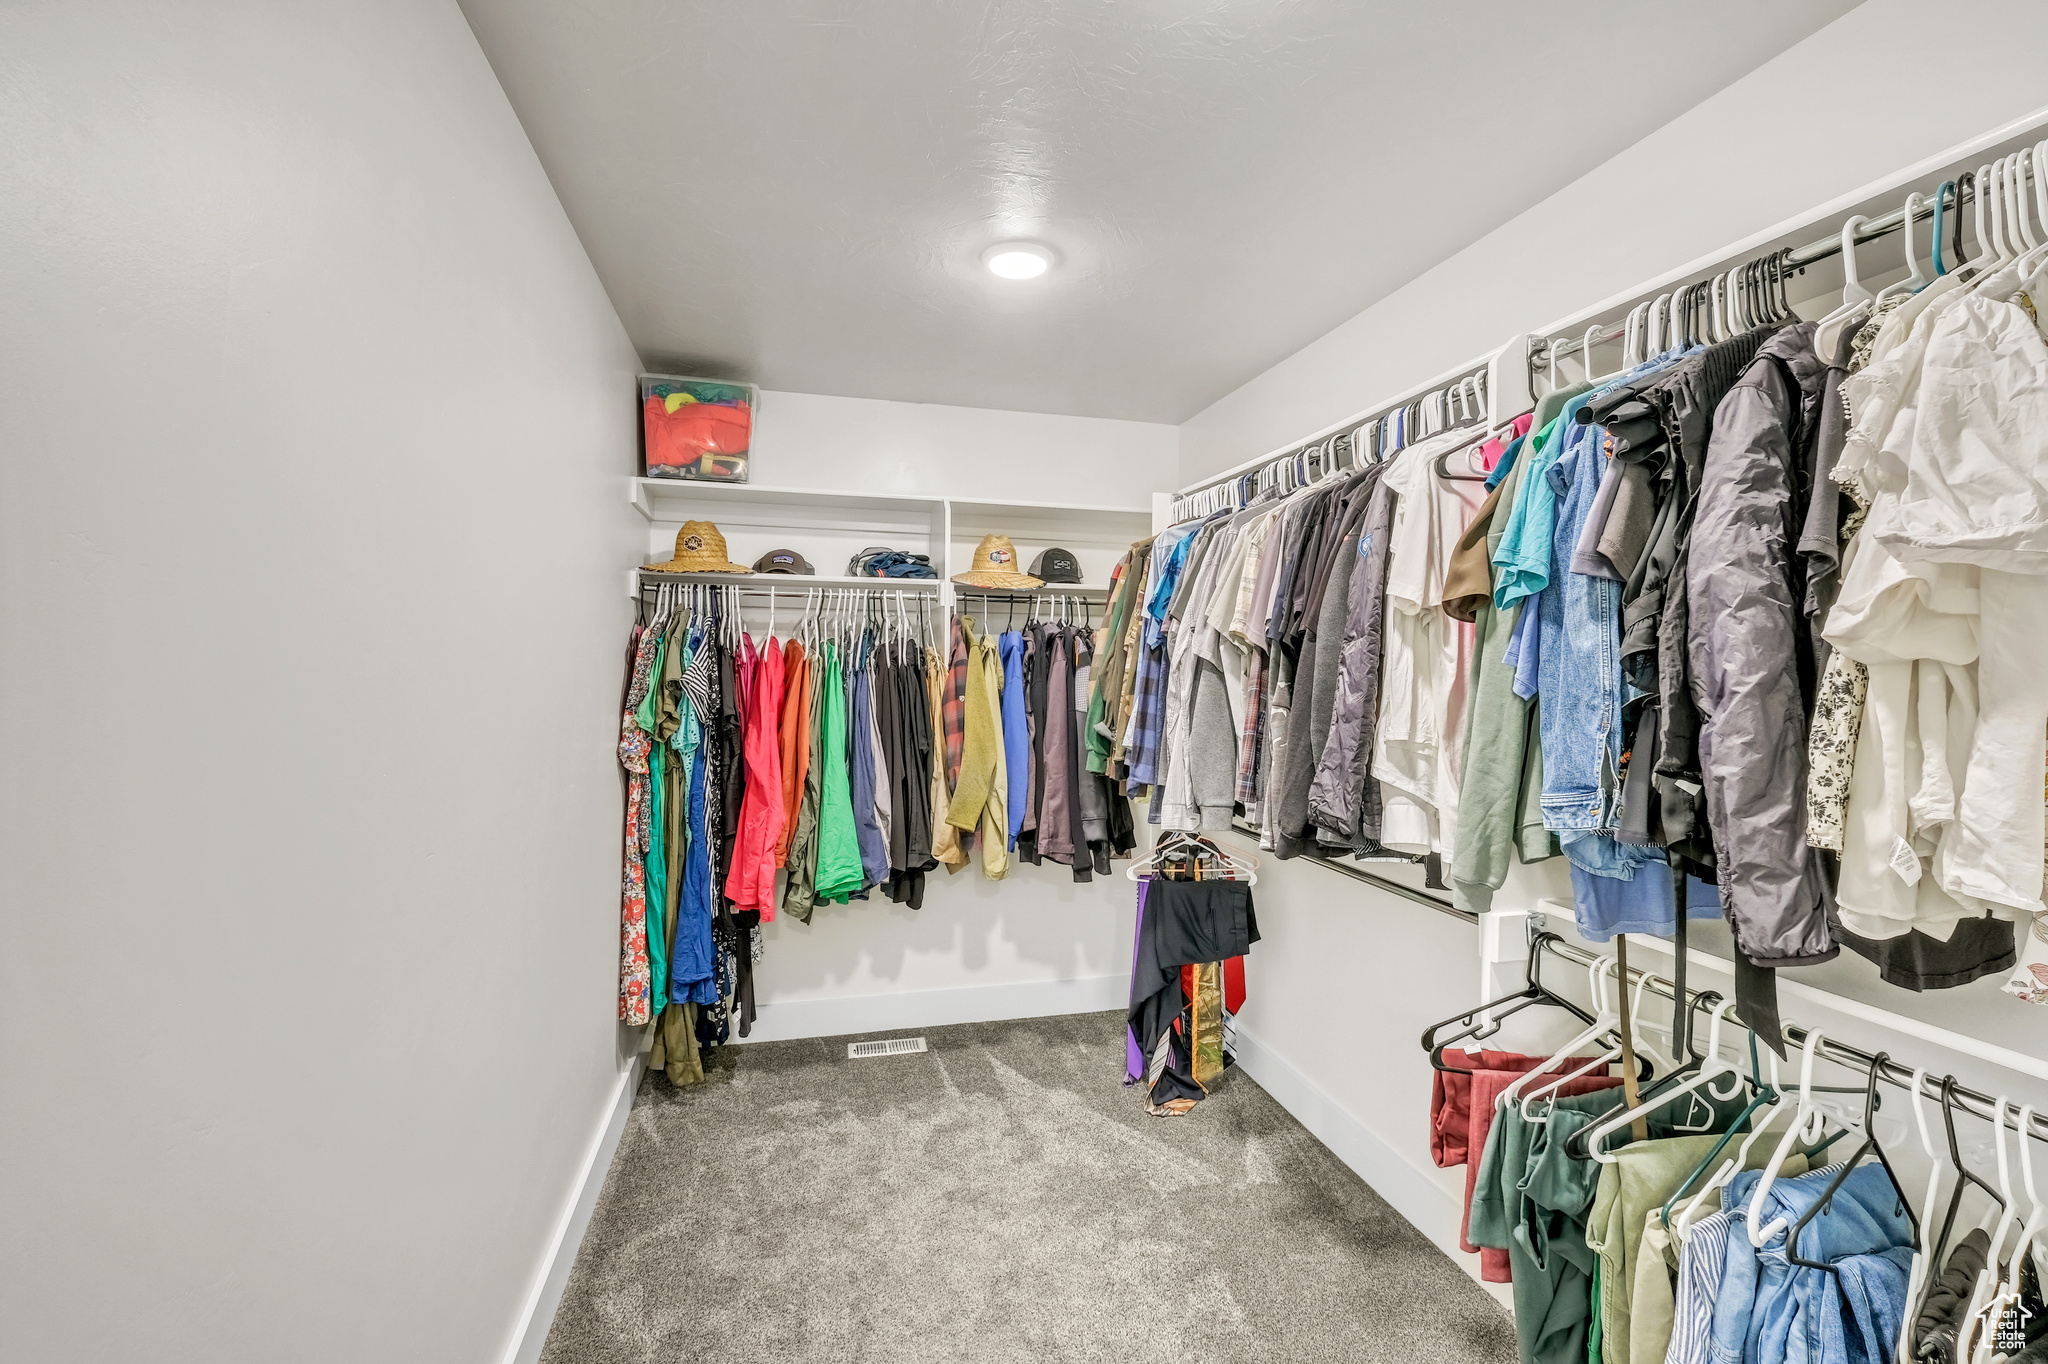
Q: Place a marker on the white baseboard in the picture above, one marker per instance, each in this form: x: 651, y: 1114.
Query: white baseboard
x: 781, y: 1021
x: 1413, y: 1191
x: 537, y: 1314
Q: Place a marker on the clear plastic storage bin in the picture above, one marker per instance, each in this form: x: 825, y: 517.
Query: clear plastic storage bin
x: 696, y: 428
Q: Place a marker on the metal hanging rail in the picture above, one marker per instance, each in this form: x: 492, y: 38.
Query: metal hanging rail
x: 1373, y: 879
x: 1793, y: 260
x: 1976, y: 1104
x: 785, y: 585
x: 1375, y: 434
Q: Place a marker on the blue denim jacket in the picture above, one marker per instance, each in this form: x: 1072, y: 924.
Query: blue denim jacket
x: 1860, y: 1315
x: 1770, y: 1309
x: 1578, y: 664
x: 1576, y: 652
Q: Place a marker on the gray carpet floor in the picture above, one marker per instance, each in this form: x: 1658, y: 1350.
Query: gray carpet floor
x: 1000, y: 1198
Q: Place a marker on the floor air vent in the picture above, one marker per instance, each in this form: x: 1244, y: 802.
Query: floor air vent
x: 895, y: 1046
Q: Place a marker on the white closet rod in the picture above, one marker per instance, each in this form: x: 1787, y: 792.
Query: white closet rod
x: 1417, y: 415
x: 1795, y: 259
x: 1842, y: 1054
x: 796, y: 587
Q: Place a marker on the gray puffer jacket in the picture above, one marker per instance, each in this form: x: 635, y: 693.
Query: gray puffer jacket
x: 1343, y: 797
x: 1751, y: 654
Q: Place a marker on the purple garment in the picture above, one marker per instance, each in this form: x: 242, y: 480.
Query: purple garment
x: 874, y: 849
x: 1134, y: 1055
x: 1525, y: 647
x: 1055, y: 816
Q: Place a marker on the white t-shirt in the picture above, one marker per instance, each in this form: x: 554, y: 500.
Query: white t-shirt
x: 1425, y: 653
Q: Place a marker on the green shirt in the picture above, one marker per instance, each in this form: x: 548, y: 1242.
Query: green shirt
x: 839, y: 868
x: 1532, y: 1199
x: 1501, y: 789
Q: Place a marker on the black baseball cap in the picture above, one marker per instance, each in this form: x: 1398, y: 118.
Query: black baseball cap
x: 784, y: 561
x: 1056, y: 566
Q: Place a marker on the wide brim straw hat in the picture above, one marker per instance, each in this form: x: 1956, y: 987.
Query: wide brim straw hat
x: 699, y: 549
x: 995, y: 565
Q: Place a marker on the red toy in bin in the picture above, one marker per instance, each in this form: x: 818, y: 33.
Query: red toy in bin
x: 696, y: 428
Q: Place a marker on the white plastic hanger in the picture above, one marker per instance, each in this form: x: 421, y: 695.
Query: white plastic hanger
x: 1587, y: 340
x: 1605, y: 1017
x: 1916, y: 1273
x: 2022, y: 216
x: 2001, y: 188
x: 1917, y: 279
x: 1807, y: 1124
x: 1856, y: 299
x: 1715, y: 1067
x: 2004, y: 1289
x: 2029, y: 1244
x: 1639, y: 1035
x: 1979, y: 1316
x: 1984, y: 215
x: 2037, y: 162
x: 1246, y: 868
x: 2034, y: 161
x: 1640, y: 315
x: 1760, y: 1121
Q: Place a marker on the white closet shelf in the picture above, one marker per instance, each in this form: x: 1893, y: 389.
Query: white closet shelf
x: 791, y: 582
x: 670, y: 499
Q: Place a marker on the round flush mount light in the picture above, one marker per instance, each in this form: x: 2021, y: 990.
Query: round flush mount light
x: 1018, y: 260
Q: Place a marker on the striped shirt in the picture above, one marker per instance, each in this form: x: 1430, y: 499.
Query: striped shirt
x: 1700, y: 1262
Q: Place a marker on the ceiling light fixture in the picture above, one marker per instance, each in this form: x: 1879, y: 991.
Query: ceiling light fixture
x: 1018, y: 260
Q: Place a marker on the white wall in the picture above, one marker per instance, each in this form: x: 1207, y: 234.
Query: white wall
x: 1034, y: 943
x: 1347, y: 977
x: 1825, y: 117
x: 812, y: 440
x: 309, y: 843
x: 1031, y: 944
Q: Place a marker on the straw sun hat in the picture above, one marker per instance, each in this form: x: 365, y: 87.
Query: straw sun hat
x: 699, y: 549
x: 995, y: 565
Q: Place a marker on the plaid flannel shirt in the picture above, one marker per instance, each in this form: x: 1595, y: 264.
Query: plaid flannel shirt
x: 953, y: 704
x: 1148, y: 715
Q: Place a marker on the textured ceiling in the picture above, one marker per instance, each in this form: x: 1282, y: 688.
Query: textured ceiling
x: 797, y: 192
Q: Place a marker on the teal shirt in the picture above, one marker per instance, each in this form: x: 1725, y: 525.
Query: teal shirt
x: 1521, y: 562
x: 657, y: 879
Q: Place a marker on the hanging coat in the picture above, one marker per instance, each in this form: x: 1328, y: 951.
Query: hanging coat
x: 1751, y: 655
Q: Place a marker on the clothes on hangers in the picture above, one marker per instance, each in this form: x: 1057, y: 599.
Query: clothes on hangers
x: 751, y: 882
x: 818, y: 758
x: 1462, y: 1111
x: 1534, y: 1202
x: 792, y: 740
x: 1186, y: 981
x: 1925, y: 627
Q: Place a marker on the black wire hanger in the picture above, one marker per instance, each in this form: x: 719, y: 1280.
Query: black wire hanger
x: 1484, y: 1020
x: 1868, y: 1147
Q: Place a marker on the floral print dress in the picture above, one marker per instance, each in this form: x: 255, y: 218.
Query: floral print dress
x: 635, y: 974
